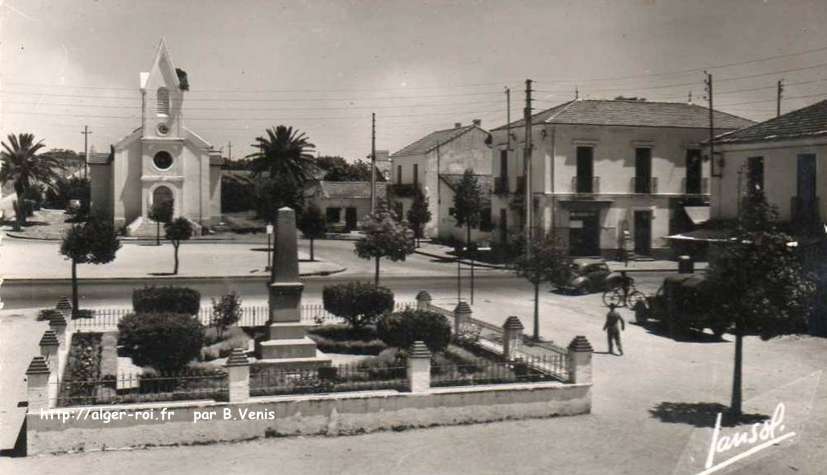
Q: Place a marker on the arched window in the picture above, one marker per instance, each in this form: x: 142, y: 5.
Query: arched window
x: 163, y: 101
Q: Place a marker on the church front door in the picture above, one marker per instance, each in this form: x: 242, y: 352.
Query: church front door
x: 163, y: 194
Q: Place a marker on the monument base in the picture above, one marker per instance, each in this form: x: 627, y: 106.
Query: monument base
x: 302, y: 347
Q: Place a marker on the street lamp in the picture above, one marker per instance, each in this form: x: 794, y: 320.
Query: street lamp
x: 269, y: 234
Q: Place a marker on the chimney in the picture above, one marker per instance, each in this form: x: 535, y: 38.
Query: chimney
x: 477, y: 122
x: 457, y: 125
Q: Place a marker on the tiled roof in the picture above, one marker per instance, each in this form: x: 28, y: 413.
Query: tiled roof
x: 430, y: 141
x: 811, y: 121
x: 634, y: 113
x: 350, y: 189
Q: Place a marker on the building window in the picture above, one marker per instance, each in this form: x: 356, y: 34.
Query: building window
x: 333, y: 215
x: 485, y: 219
x: 400, y: 208
x: 163, y: 101
x: 585, y: 169
x: 451, y: 211
x: 162, y: 160
x: 643, y: 170
x: 416, y: 174
x: 693, y: 172
x: 755, y: 173
x: 399, y: 174
x: 504, y: 163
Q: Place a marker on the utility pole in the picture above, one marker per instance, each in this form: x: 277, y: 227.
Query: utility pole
x: 85, y: 133
x: 527, y: 168
x: 230, y: 150
x: 508, y: 119
x: 708, y: 83
x: 778, y: 99
x: 373, y: 163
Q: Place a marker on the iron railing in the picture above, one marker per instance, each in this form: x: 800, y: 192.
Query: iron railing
x: 485, y: 371
x: 644, y: 184
x: 501, y: 185
x: 272, y: 381
x: 133, y: 388
x: 107, y: 319
x: 585, y: 184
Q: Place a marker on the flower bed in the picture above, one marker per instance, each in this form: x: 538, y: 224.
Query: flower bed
x: 82, y: 371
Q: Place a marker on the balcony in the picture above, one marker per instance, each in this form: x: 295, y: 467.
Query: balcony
x: 585, y: 184
x: 501, y: 185
x: 695, y: 187
x: 805, y: 215
x: 644, y: 185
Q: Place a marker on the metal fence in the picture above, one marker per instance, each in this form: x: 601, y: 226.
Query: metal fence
x: 106, y: 319
x: 270, y: 381
x: 132, y: 388
x: 485, y: 371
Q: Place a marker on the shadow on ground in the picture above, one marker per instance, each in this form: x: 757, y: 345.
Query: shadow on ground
x: 701, y: 414
x: 694, y: 336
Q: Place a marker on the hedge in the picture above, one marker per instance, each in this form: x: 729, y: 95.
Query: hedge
x: 166, y: 300
x: 402, y: 329
x: 165, y: 341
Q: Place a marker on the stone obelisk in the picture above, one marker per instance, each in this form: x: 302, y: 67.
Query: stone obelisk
x: 287, y: 344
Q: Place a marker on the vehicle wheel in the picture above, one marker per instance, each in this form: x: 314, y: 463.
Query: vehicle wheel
x: 641, y: 312
x: 613, y: 296
x: 634, y: 298
x: 718, y: 332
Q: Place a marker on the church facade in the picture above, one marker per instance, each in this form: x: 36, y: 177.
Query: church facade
x: 162, y: 160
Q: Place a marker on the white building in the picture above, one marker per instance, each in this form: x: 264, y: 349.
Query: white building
x: 786, y: 157
x: 432, y: 164
x: 161, y: 160
x: 602, y: 167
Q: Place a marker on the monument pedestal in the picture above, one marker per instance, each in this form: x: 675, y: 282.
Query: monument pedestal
x: 287, y: 344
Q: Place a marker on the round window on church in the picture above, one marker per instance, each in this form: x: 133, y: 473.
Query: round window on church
x: 162, y: 160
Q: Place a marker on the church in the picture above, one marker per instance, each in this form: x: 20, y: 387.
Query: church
x: 160, y: 161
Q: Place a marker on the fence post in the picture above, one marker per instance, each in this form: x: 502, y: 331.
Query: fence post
x: 37, y: 384
x: 58, y: 325
x: 462, y: 315
x: 48, y: 349
x: 423, y: 300
x: 512, y: 337
x: 419, y: 368
x: 64, y: 306
x: 238, y: 374
x: 580, y: 360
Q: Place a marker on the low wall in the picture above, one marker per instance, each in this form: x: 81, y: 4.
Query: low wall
x: 81, y: 429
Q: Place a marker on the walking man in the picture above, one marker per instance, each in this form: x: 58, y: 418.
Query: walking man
x: 612, y: 328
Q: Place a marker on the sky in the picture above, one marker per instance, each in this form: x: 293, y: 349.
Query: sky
x: 324, y: 66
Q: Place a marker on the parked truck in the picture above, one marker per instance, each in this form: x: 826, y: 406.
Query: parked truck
x: 681, y: 304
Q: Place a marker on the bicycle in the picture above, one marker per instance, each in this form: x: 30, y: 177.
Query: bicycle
x: 621, y: 295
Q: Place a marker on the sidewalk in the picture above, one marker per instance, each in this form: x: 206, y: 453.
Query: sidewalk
x: 439, y: 251
x: 36, y: 261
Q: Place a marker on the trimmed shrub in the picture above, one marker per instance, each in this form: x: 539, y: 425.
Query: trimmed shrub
x: 166, y: 300
x: 165, y: 341
x: 358, y: 303
x: 226, y: 311
x: 402, y: 329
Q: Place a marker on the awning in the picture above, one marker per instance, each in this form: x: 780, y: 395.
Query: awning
x: 697, y: 214
x: 702, y: 235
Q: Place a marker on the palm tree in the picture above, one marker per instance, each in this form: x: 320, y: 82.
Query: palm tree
x: 284, y: 152
x: 25, y: 168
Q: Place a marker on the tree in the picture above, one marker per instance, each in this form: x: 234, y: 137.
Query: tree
x: 177, y: 230
x: 94, y: 242
x: 166, y: 341
x: 284, y: 153
x: 419, y: 214
x: 69, y: 159
x: 312, y: 225
x: 549, y: 262
x: 226, y: 311
x: 338, y: 169
x: 759, y: 284
x: 160, y: 212
x: 357, y: 303
x: 273, y: 193
x: 468, y: 204
x: 384, y: 237
x: 22, y: 166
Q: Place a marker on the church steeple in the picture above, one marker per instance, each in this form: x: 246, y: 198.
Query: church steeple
x: 161, y: 97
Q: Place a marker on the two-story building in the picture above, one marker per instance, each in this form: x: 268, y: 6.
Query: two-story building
x: 607, y: 174
x: 433, y: 164
x: 786, y: 157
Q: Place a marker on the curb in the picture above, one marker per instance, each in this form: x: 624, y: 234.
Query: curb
x: 463, y: 261
x: 92, y: 280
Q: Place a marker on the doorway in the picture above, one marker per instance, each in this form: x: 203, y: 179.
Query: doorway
x: 643, y: 232
x: 351, y: 219
x: 584, y: 233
